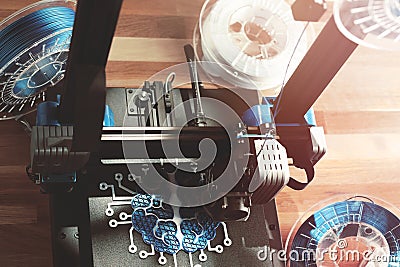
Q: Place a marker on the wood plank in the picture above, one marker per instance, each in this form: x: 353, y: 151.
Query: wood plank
x: 25, y: 245
x: 13, y: 5
x: 14, y: 149
x: 179, y: 27
x: 149, y: 8
x: 363, y: 146
x: 148, y: 49
x: 359, y: 110
x: 133, y: 74
x: 18, y: 214
x: 369, y: 80
x: 349, y: 122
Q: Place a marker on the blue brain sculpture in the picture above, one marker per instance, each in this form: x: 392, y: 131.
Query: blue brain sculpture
x: 164, y: 229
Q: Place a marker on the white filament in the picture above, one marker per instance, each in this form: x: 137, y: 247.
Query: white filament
x: 251, y: 41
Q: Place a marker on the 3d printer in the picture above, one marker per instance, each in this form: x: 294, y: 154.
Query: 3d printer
x: 230, y: 162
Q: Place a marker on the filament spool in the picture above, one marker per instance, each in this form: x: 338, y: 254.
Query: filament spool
x: 34, y: 46
x: 372, y: 23
x: 251, y: 42
x: 346, y: 231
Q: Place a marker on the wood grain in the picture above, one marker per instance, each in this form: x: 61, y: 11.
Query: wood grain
x: 147, y: 49
x: 360, y: 111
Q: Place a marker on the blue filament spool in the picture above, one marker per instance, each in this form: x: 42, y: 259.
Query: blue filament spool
x: 33, y: 55
x: 323, y: 237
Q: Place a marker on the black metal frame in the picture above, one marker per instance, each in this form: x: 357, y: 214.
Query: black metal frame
x: 323, y: 60
x: 82, y: 105
x: 83, y: 99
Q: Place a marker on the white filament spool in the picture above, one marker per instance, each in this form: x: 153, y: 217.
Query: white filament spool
x: 251, y: 41
x: 372, y: 23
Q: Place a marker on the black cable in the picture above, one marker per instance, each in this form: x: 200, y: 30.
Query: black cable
x: 276, y: 104
x: 284, y: 77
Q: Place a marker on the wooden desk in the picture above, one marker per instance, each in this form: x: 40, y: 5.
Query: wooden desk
x: 360, y: 112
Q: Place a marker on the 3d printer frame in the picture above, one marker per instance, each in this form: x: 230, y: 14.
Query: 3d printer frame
x: 81, y: 112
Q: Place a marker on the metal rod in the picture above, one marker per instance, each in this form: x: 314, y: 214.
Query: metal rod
x: 196, y: 85
x: 148, y: 161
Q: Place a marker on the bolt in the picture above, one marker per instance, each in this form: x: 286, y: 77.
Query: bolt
x: 132, y: 110
x: 272, y: 131
x: 76, y: 235
x: 130, y: 91
x: 272, y: 227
